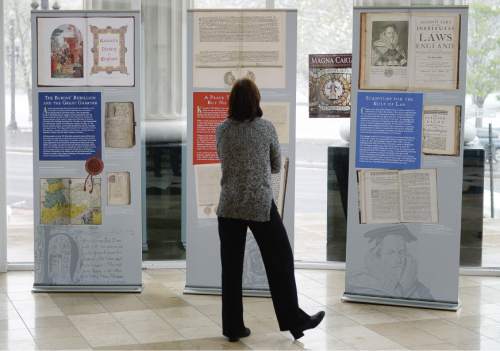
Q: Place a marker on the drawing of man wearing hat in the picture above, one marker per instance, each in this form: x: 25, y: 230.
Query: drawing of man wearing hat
x: 390, y: 270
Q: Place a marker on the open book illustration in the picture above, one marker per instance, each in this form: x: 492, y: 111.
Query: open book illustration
x: 65, y: 201
x: 409, y: 50
x: 393, y: 196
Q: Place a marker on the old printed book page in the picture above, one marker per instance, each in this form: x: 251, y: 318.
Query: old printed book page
x: 379, y: 196
x: 409, y: 50
x: 384, y: 51
x: 418, y: 196
x: 118, y: 188
x: 441, y: 130
x: 434, y: 51
x: 393, y: 196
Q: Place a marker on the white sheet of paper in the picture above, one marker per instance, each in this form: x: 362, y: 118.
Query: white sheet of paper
x: 278, y: 113
x: 207, y: 180
x: 228, y: 45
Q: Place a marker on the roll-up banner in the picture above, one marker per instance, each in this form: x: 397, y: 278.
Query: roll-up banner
x: 223, y: 46
x: 87, y: 150
x: 406, y: 156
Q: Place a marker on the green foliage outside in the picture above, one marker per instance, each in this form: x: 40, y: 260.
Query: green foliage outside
x: 483, y: 54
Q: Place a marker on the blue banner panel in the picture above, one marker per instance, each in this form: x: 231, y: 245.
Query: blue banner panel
x: 69, y: 126
x: 389, y: 130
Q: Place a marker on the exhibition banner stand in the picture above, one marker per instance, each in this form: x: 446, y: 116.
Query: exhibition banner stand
x: 224, y: 45
x: 406, y: 156
x: 87, y: 150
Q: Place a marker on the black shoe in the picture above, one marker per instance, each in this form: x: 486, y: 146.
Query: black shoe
x: 243, y: 334
x: 309, y: 324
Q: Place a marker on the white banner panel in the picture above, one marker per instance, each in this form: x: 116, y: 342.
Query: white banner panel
x: 224, y: 45
x: 87, y: 150
x: 403, y: 234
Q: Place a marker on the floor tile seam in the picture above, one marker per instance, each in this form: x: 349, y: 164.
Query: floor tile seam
x: 22, y: 319
x: 125, y: 328
x: 350, y: 344
x: 104, y: 305
x: 345, y: 316
x: 316, y: 299
x: 97, y: 303
x: 170, y: 324
x: 394, y: 337
x: 77, y: 329
x: 449, y: 340
x: 489, y: 337
x: 115, y: 320
x: 471, y: 328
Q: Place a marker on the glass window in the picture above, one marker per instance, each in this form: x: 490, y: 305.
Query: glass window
x: 231, y: 4
x: 19, y: 146
x: 18, y: 119
x: 480, y: 241
x: 323, y: 27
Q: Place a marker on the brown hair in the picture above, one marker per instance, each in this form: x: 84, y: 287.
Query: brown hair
x: 244, y: 101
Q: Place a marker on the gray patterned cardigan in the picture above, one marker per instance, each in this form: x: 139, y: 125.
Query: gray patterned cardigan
x: 249, y: 152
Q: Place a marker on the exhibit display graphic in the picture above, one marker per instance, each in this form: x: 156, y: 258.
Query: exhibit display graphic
x: 231, y: 45
x: 69, y: 125
x: 223, y: 46
x: 80, y: 51
x: 66, y: 201
x: 392, y: 196
x: 330, y: 85
x: 86, y: 161
x: 406, y: 159
x: 119, y: 124
x: 412, y: 50
x: 209, y: 110
x: 388, y: 130
x: 441, y: 130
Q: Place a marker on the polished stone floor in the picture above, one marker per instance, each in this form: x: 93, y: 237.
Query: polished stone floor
x: 162, y: 318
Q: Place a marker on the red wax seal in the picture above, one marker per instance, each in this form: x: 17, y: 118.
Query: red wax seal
x: 94, y: 166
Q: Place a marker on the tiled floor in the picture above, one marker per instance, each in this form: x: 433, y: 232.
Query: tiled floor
x: 162, y: 318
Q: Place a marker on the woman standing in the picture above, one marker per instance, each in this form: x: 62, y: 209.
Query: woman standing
x: 249, y: 151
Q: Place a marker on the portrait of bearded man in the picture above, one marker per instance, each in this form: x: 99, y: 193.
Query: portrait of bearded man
x: 387, y: 51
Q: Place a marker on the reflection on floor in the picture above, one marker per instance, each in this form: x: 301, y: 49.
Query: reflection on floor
x: 163, y: 318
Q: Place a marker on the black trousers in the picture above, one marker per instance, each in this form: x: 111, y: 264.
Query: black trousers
x: 272, y: 239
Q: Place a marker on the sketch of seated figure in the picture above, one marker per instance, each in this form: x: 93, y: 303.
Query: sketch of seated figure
x: 390, y: 269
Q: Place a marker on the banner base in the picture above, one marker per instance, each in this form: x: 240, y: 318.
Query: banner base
x: 436, y: 305
x: 87, y: 288
x: 217, y: 291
